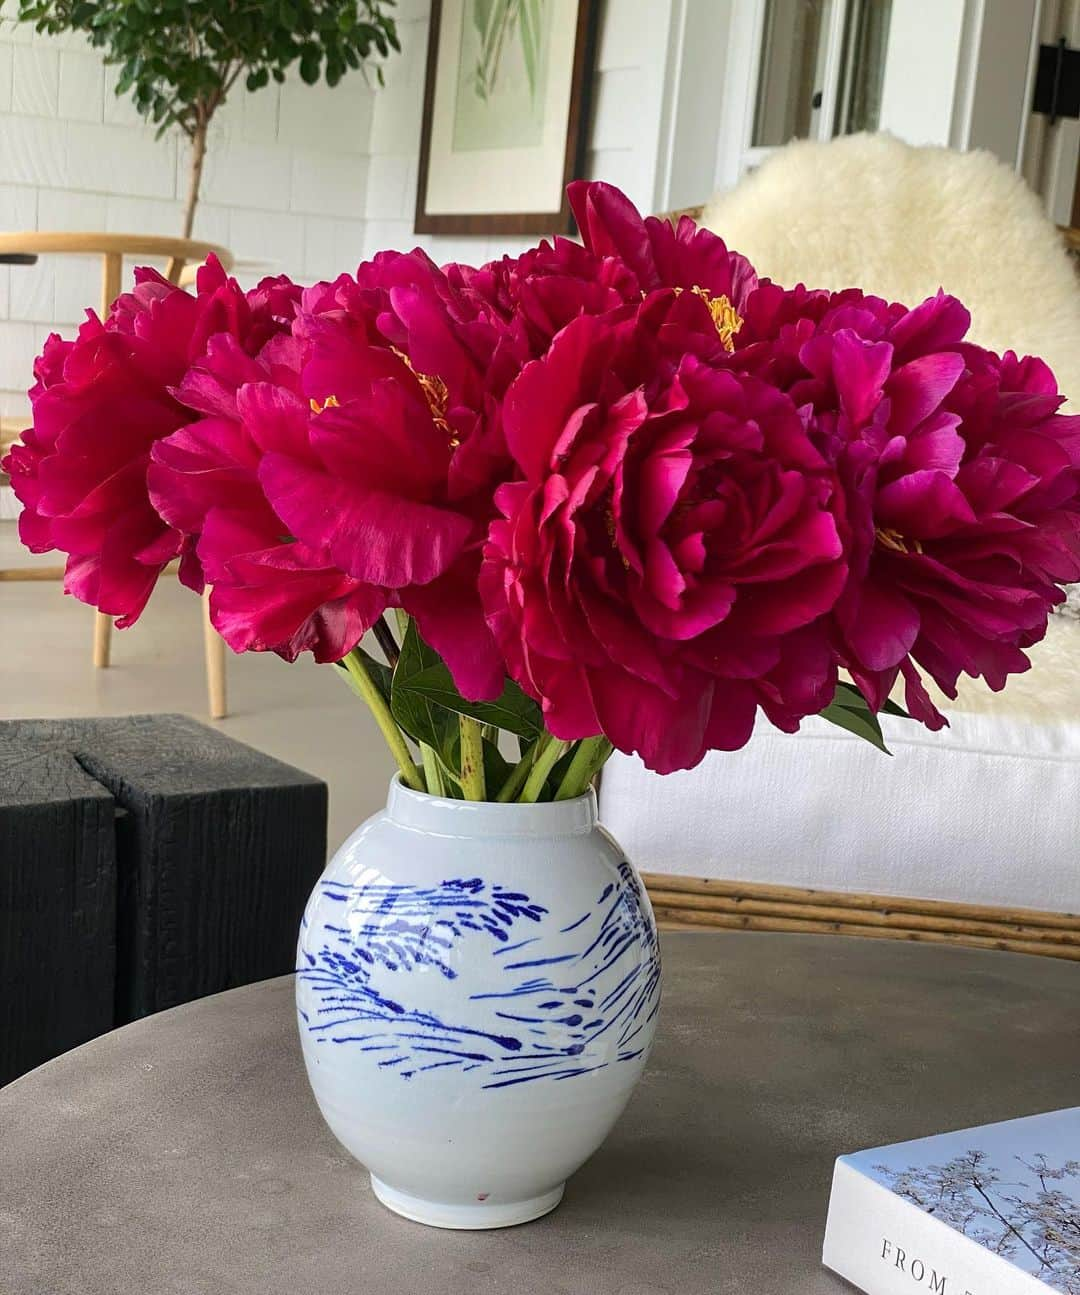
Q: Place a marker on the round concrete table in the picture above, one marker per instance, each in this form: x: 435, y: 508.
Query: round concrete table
x: 185, y: 1154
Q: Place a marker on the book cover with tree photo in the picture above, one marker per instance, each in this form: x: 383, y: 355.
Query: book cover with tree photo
x: 1013, y: 1188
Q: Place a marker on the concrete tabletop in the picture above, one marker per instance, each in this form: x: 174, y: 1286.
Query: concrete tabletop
x: 184, y: 1153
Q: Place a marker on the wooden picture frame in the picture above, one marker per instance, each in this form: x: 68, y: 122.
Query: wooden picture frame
x: 435, y: 214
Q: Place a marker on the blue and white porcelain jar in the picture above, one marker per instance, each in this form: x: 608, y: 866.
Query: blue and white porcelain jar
x: 477, y: 993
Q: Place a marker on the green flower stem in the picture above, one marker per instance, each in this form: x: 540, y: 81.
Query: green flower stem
x: 472, y: 759
x: 395, y: 739
x: 515, y: 780
x: 549, y: 751
x: 433, y: 774
x: 587, y: 761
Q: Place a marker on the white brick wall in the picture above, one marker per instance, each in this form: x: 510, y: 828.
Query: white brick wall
x: 284, y: 185
x: 302, y: 180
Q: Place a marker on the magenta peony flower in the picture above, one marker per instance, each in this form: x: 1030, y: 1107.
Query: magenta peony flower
x: 664, y: 566
x: 660, y: 493
x: 99, y: 404
x: 530, y: 297
x: 279, y: 595
x: 326, y: 463
x: 269, y: 591
x: 660, y: 255
x: 962, y: 481
x: 455, y: 342
x: 526, y: 300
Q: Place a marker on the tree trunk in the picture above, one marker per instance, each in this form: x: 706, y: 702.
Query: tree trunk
x: 198, y: 153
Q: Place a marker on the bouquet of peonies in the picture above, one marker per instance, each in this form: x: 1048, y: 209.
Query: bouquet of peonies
x: 623, y: 494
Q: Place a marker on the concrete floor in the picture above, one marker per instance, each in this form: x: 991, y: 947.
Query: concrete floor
x: 301, y: 713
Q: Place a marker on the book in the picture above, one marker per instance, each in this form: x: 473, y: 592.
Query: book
x: 986, y: 1211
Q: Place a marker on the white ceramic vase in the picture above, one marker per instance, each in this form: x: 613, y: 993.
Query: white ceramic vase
x: 477, y: 993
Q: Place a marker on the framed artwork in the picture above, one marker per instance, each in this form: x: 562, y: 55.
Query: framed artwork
x: 505, y: 115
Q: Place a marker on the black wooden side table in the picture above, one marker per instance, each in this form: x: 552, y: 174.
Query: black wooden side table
x: 144, y: 861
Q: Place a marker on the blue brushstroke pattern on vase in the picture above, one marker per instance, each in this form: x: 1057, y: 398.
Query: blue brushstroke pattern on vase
x: 555, y: 993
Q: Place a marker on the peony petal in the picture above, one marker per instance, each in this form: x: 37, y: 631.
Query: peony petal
x: 859, y: 370
x: 936, y: 444
x: 378, y: 538
x: 918, y: 701
x: 641, y: 719
x: 880, y: 625
x: 940, y: 321
x: 546, y: 394
x: 924, y: 504
x: 917, y: 389
x: 450, y: 618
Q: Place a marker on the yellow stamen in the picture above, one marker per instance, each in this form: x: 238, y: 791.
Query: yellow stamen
x: 895, y: 542
x: 437, y: 396
x: 726, y: 318
x: 331, y: 402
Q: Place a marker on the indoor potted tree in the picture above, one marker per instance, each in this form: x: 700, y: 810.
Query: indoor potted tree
x: 180, y: 59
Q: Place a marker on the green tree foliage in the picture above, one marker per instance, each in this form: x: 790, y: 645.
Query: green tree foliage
x: 179, y: 59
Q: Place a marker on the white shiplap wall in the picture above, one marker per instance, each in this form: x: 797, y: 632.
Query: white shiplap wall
x: 308, y: 180
x: 287, y: 170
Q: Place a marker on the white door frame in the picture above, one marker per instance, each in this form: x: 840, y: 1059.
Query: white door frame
x: 740, y: 93
x: 977, y: 63
x: 735, y: 152
x: 1049, y: 154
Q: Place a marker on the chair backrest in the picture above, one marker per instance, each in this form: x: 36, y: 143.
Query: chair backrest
x: 901, y: 221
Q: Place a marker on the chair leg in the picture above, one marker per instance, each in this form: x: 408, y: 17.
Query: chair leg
x: 214, y: 645
x: 102, y: 639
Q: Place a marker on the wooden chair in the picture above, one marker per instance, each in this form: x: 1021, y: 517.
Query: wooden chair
x: 24, y: 248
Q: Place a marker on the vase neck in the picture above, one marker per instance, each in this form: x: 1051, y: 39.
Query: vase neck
x: 467, y: 818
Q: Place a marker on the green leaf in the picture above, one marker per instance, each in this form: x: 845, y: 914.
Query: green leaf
x: 310, y: 62
x: 426, y: 703
x: 512, y: 710
x: 496, y: 769
x: 848, y: 695
x: 863, y: 723
x: 420, y: 716
x: 850, y: 710
x: 381, y: 674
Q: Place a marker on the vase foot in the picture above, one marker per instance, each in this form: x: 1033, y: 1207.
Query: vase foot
x: 474, y: 1216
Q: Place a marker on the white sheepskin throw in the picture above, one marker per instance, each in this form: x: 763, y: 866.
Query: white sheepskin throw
x: 870, y: 211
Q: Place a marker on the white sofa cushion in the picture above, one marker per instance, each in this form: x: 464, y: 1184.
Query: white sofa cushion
x: 987, y: 811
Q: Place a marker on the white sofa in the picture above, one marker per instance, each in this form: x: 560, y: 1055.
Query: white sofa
x: 985, y: 812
